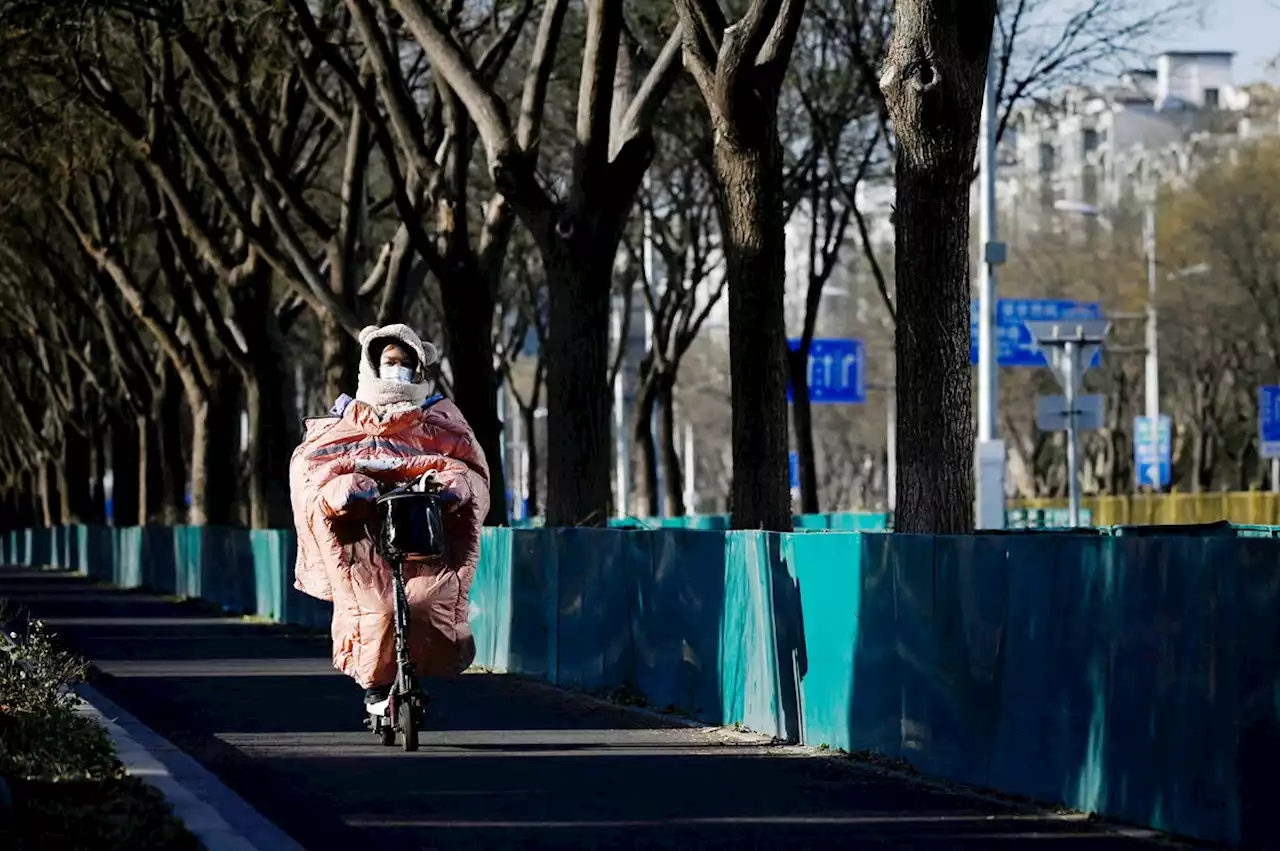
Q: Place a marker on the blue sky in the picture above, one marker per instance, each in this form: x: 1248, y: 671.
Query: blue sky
x: 1249, y: 27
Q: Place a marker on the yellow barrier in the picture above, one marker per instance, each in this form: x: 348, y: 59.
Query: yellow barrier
x: 1251, y: 508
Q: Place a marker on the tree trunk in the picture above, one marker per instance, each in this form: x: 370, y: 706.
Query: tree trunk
x: 579, y: 270
x: 50, y: 500
x: 215, y: 454
x: 933, y: 85
x: 128, y: 436
x: 271, y: 439
x: 166, y: 457
x: 673, y: 480
x: 644, y: 455
x: 269, y: 399
x: 802, y: 417
x: 339, y: 359
x: 96, y: 509
x: 753, y: 222
x: 469, y: 308
x: 74, y: 476
x: 62, y: 512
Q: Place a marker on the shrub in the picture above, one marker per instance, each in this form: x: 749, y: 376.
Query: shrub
x: 68, y: 790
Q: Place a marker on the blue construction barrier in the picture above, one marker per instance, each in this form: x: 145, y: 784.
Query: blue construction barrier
x: 1134, y: 673
x: 849, y: 521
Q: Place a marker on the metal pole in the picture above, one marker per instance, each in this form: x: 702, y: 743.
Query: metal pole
x: 690, y: 476
x: 987, y: 356
x: 519, y: 464
x: 891, y: 447
x: 1073, y: 486
x: 1152, y: 382
x: 504, y: 445
x: 658, y: 500
x: 990, y: 452
x: 622, y: 491
x: 1275, y: 475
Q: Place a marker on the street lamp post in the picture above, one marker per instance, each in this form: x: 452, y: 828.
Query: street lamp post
x: 990, y: 459
x: 1151, y: 384
x: 1151, y: 368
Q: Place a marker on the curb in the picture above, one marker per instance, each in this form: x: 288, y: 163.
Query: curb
x: 218, y: 817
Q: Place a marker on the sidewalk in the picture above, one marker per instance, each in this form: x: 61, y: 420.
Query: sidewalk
x: 504, y: 764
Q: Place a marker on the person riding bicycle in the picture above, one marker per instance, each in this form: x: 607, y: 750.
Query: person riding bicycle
x: 394, y: 431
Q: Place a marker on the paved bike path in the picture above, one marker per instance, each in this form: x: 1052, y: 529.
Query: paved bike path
x: 503, y: 763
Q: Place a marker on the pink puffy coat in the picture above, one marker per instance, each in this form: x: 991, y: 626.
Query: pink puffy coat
x: 339, y: 465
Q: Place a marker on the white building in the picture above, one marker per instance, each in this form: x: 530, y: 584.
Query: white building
x: 1098, y: 144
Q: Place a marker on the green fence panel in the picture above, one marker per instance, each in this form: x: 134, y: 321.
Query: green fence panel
x: 709, y: 522
x: 491, y: 601
x: 300, y: 609
x: 534, y: 604
x: 1257, y: 658
x: 1252, y: 531
x: 41, y: 546
x: 811, y: 522
x: 1167, y: 734
x: 593, y: 630
x: 100, y: 553
x: 958, y: 668
x: 628, y: 523
x: 881, y: 720
x: 128, y: 561
x: 270, y: 572
x: 83, y: 548
x: 677, y: 605
x: 159, y: 565
x: 828, y: 571
x: 188, y: 546
x: 755, y: 666
x: 1055, y: 704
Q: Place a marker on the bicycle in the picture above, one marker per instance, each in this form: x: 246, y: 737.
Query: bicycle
x: 410, y: 527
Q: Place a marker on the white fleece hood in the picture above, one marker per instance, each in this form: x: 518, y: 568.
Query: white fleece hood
x: 391, y: 396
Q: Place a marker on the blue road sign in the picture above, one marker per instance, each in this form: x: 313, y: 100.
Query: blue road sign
x: 794, y: 460
x: 1269, y: 421
x: 1153, y: 451
x: 1014, y: 344
x: 836, y: 372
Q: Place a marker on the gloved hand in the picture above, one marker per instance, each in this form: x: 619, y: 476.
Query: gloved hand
x: 449, y: 497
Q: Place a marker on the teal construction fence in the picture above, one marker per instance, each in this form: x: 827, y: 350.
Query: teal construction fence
x: 843, y: 521
x: 1130, y: 672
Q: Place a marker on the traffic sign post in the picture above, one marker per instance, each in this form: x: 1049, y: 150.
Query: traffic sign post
x: 1054, y: 413
x: 1269, y: 421
x: 1070, y: 347
x: 1153, y: 451
x: 1269, y: 429
x: 837, y: 372
x: 1014, y: 343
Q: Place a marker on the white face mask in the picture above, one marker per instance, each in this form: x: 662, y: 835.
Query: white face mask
x: 395, y: 373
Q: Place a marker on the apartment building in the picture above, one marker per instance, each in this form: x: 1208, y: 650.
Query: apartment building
x: 1102, y: 144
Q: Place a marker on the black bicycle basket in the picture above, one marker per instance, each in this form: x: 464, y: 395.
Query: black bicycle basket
x: 411, y: 526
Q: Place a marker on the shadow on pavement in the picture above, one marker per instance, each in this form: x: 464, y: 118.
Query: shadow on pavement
x: 504, y: 763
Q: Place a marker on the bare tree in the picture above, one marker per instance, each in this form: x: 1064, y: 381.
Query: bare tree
x: 577, y: 235
x: 680, y: 205
x: 740, y: 70
x: 933, y: 84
